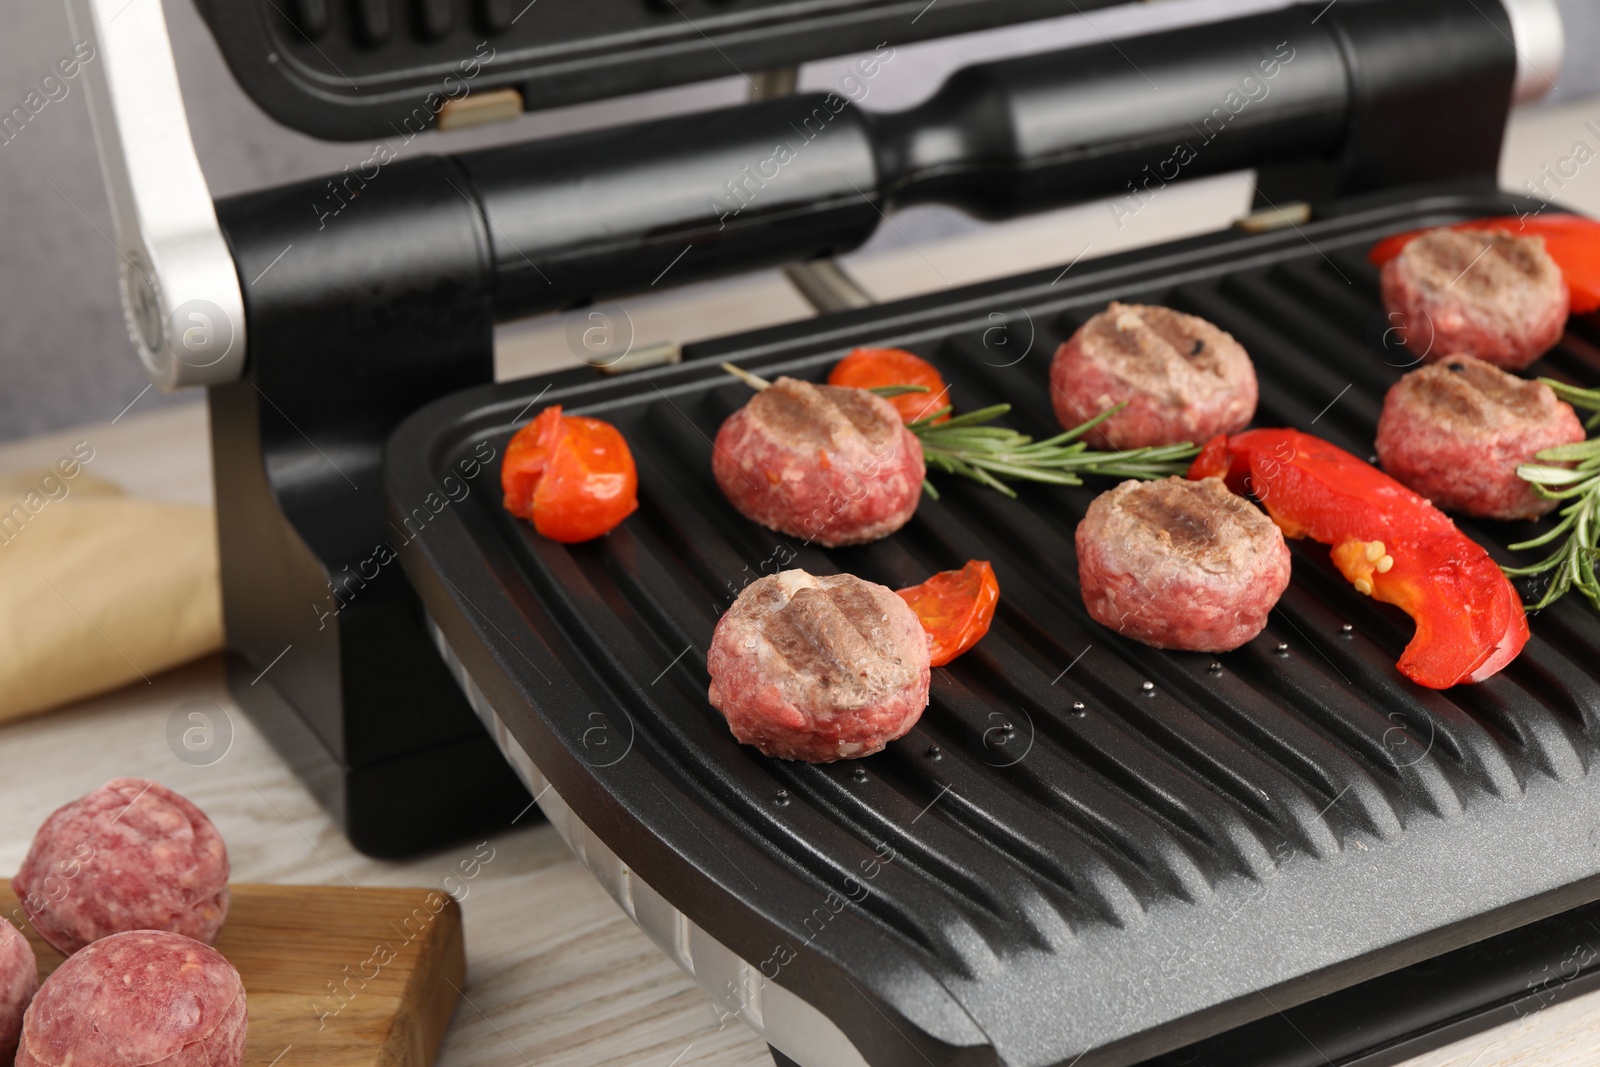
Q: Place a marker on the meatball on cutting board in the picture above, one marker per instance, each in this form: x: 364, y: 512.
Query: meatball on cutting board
x: 1483, y: 293
x: 18, y: 982
x: 141, y: 998
x: 1182, y: 378
x: 1180, y: 564
x: 819, y: 668
x: 138, y: 857
x: 825, y: 463
x: 1455, y: 432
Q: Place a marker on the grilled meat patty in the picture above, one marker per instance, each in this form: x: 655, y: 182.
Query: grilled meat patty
x: 1483, y: 293
x: 823, y: 463
x: 1180, y: 564
x: 818, y: 668
x: 1455, y: 431
x: 1183, y: 379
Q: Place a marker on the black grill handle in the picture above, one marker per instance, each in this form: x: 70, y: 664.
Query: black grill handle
x: 1369, y: 93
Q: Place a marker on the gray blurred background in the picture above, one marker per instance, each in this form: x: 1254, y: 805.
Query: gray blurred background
x: 65, y: 358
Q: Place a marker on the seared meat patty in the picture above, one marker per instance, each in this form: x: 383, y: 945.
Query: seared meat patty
x: 1455, y: 432
x: 1180, y: 564
x: 824, y: 463
x: 1483, y: 293
x: 1183, y: 378
x: 819, y: 668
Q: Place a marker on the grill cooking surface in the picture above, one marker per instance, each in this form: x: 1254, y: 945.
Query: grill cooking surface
x: 1087, y: 847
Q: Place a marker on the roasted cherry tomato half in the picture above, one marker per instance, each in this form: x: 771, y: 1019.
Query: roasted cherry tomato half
x: 871, y: 368
x: 956, y: 608
x: 1573, y: 242
x: 571, y: 475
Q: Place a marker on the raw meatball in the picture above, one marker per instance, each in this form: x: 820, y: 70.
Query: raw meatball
x: 1183, y: 378
x: 819, y: 669
x: 1483, y: 293
x: 143, y: 997
x: 19, y: 979
x: 828, y: 464
x: 1180, y: 564
x: 1455, y: 432
x: 132, y: 855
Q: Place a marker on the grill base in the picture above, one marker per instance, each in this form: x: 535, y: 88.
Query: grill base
x: 732, y: 984
x: 1378, y: 1023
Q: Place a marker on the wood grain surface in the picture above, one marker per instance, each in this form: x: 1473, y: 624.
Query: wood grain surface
x: 336, y: 976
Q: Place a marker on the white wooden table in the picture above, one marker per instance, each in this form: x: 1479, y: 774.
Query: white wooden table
x: 557, y: 974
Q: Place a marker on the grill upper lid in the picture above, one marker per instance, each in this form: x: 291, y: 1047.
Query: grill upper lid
x: 353, y: 69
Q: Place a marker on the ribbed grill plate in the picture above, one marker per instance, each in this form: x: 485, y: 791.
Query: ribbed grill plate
x: 1022, y: 880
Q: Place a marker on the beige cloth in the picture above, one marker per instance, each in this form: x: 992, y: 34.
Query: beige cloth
x: 98, y: 589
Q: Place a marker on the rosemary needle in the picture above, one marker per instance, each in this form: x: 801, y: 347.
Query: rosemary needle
x: 967, y: 445
x: 1572, y: 563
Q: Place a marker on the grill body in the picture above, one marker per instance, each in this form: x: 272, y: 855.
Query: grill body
x: 1087, y: 848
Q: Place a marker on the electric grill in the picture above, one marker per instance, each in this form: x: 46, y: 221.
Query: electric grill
x: 1087, y: 851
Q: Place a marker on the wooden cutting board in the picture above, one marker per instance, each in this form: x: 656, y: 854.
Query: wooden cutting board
x: 336, y: 976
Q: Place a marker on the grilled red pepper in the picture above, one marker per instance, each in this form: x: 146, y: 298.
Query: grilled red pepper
x: 573, y: 476
x: 870, y: 368
x: 1388, y: 542
x: 1573, y: 242
x: 955, y: 607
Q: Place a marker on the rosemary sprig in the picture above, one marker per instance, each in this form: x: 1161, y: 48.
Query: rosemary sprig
x: 994, y: 455
x: 991, y: 455
x: 1572, y: 564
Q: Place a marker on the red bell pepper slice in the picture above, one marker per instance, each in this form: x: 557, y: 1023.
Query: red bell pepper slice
x: 956, y: 608
x: 870, y: 368
x: 1388, y: 542
x: 1572, y: 241
x: 573, y: 476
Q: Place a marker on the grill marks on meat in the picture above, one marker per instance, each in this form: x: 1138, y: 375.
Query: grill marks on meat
x: 1455, y: 432
x: 819, y: 668
x: 1180, y: 564
x: 825, y: 416
x: 1176, y: 521
x: 1484, y: 265
x: 1484, y: 293
x: 823, y: 463
x: 1162, y: 351
x: 1183, y: 379
x: 830, y: 637
x: 1470, y: 396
